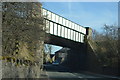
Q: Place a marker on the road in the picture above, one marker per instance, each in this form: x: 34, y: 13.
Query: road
x: 58, y: 72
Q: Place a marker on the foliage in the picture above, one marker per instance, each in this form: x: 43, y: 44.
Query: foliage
x: 107, y: 45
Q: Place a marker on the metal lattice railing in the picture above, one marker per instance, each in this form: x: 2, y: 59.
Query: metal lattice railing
x: 62, y: 27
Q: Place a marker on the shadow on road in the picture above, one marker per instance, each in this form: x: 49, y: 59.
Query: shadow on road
x: 58, y: 72
x: 55, y: 68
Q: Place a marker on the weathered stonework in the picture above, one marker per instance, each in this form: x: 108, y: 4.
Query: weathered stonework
x: 0, y: 40
x: 22, y: 39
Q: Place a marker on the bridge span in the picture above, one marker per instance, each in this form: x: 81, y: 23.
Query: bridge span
x: 60, y: 27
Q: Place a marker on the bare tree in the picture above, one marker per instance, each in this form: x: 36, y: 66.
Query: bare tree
x: 107, y: 44
x: 48, y: 48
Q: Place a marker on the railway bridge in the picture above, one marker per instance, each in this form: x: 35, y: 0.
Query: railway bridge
x: 66, y: 33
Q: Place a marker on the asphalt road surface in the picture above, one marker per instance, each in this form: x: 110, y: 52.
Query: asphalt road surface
x: 58, y: 72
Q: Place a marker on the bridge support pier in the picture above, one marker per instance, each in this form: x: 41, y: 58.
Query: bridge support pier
x: 76, y: 58
x: 82, y: 57
x: 92, y: 62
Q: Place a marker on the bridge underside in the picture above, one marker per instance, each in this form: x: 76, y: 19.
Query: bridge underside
x: 60, y: 41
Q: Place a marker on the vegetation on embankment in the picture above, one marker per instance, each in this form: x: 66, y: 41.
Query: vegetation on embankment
x: 106, y: 47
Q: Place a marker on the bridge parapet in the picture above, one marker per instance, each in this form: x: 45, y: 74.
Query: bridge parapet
x: 62, y: 27
x: 89, y: 33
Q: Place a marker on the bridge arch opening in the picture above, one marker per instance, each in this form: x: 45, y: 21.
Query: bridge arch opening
x: 53, y: 53
x: 67, y: 57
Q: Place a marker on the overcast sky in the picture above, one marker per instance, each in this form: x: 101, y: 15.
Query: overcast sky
x: 87, y: 14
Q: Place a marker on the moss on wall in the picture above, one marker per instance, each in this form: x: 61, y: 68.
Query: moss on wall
x: 22, y: 36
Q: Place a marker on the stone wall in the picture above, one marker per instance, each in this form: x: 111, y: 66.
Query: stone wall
x: 93, y: 61
x: 22, y: 39
x: 0, y: 40
x: 83, y: 58
x: 76, y: 58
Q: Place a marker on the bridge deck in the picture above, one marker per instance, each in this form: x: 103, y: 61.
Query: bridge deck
x: 62, y: 27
